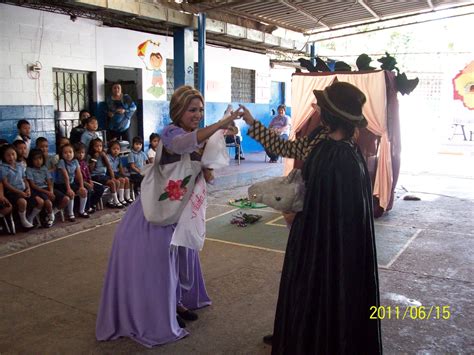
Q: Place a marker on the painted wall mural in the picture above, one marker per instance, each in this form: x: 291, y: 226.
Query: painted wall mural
x: 463, y: 85
x: 149, y: 54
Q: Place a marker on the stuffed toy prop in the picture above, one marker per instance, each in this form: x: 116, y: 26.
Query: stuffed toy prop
x: 283, y: 193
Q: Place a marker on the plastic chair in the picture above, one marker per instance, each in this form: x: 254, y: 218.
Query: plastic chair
x: 234, y: 145
x: 100, y: 203
x: 8, y: 223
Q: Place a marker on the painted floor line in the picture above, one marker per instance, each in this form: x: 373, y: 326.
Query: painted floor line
x: 88, y: 230
x: 403, y: 249
x: 426, y: 229
x: 222, y: 214
x: 245, y: 245
x: 58, y: 239
x: 272, y: 222
x: 253, y: 209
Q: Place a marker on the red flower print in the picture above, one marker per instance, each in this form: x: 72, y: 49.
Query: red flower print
x: 174, y: 190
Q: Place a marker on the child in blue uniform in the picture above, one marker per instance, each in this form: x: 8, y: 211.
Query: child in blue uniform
x: 17, y: 190
x: 90, y: 133
x: 137, y: 160
x: 69, y: 181
x: 120, y: 179
x: 21, y: 152
x: 41, y: 184
x: 101, y: 171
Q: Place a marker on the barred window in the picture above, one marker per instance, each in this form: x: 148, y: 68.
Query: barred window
x: 170, y: 77
x: 243, y: 85
x: 71, y: 90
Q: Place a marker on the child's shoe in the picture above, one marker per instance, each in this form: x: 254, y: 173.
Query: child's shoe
x: 24, y: 221
x: 48, y: 223
x: 26, y: 224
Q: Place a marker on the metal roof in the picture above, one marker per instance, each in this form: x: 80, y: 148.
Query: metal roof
x: 313, y: 16
x: 247, y: 24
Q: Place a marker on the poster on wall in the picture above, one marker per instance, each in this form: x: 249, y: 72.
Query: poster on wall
x: 460, y: 114
x: 463, y: 85
x: 154, y: 77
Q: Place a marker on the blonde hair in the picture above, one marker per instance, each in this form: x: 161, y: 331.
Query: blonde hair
x: 180, y: 101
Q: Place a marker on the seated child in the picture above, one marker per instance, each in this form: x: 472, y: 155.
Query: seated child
x: 5, y: 205
x: 17, y: 190
x: 120, y: 178
x: 69, y: 181
x: 90, y: 133
x: 24, y: 129
x: 99, y: 166
x: 21, y: 152
x: 154, y: 140
x: 42, y: 186
x: 50, y: 160
x: 95, y: 191
x: 136, y: 160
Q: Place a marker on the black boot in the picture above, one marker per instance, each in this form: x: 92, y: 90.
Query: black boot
x: 267, y: 339
x: 181, y: 322
x: 187, y: 315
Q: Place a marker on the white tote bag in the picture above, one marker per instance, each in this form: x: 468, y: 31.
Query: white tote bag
x: 165, y: 189
x: 191, y: 228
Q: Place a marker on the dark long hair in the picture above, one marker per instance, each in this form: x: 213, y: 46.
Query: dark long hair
x: 334, y: 123
x: 34, y: 153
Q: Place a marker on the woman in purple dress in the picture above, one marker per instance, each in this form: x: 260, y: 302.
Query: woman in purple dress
x: 148, y: 279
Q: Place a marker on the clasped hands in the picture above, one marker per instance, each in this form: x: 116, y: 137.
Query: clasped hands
x: 242, y: 112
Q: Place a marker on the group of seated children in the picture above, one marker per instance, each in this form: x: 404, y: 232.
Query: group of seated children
x: 35, y: 183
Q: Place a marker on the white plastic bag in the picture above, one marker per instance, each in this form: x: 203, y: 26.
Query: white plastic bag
x: 215, y: 153
x: 166, y: 189
x: 191, y: 228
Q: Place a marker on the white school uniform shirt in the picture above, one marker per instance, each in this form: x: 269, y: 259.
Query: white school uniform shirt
x: 27, y: 142
x: 151, y: 153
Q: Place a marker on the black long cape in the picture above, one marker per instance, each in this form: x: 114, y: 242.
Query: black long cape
x: 329, y: 279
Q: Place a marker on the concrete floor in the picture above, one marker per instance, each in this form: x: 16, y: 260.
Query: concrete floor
x: 49, y: 293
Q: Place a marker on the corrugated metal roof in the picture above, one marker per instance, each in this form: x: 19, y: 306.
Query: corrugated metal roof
x: 310, y: 16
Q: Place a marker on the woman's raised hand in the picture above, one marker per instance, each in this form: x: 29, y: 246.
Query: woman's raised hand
x: 246, y: 115
x: 227, y: 119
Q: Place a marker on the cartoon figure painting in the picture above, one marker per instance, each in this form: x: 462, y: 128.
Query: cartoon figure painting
x: 148, y: 53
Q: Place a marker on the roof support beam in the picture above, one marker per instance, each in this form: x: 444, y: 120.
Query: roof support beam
x: 303, y: 12
x: 369, y: 9
x: 227, y: 4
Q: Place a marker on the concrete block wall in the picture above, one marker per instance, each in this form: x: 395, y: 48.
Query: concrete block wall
x: 28, y: 36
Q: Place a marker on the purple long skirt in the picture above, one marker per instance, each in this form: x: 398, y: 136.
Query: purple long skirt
x: 191, y: 292
x: 139, y: 297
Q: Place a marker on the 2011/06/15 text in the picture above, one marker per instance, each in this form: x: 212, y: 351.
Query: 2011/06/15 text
x: 410, y: 312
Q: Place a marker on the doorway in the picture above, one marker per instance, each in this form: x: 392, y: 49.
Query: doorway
x: 131, y: 81
x: 277, y: 96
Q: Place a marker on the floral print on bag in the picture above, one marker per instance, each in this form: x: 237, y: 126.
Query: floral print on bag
x: 175, y: 190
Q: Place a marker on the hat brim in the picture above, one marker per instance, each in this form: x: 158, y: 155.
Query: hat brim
x: 323, y: 103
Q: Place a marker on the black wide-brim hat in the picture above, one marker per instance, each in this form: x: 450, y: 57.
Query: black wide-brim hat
x: 344, y: 101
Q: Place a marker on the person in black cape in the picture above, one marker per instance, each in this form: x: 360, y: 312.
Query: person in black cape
x: 329, y: 279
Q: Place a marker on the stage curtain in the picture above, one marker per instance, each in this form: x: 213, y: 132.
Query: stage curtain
x: 373, y: 85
